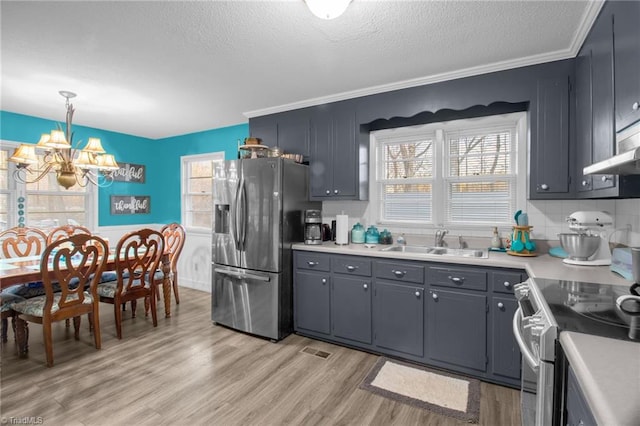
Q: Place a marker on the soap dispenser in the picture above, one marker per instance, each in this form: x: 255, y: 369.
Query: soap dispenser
x: 495, y: 240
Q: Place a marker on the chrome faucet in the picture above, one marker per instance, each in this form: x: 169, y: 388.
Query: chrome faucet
x: 440, y: 233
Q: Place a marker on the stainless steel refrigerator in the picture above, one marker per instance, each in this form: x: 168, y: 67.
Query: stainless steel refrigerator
x: 258, y: 213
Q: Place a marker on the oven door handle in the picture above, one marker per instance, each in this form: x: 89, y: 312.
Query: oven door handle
x: 526, y: 353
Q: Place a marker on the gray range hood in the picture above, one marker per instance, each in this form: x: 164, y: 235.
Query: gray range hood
x: 626, y: 163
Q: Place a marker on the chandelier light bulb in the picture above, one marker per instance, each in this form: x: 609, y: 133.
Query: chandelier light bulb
x: 327, y: 9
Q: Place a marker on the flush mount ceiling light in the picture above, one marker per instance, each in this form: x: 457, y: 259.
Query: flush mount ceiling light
x: 71, y: 164
x: 327, y: 9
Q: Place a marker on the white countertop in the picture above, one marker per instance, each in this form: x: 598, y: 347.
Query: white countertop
x: 608, y: 372
x: 542, y: 266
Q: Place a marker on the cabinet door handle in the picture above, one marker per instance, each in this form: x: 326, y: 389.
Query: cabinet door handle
x: 635, y: 106
x: 335, y: 191
x: 434, y: 296
x: 500, y: 305
x: 417, y: 294
x: 585, y: 183
x: 456, y: 280
x: 399, y: 274
x: 605, y: 178
x: 507, y: 284
x: 324, y: 281
x: 351, y: 268
x: 365, y: 286
x: 312, y: 264
x: 544, y: 186
x: 328, y: 192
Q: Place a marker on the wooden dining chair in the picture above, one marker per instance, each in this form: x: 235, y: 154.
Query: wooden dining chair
x: 65, y: 231
x: 174, y: 236
x: 19, y: 242
x: 138, y: 255
x: 74, y: 264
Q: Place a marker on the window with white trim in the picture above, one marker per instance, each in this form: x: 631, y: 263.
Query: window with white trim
x: 197, y: 187
x: 461, y: 173
x: 43, y: 204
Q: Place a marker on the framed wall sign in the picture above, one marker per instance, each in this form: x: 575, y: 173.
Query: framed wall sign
x: 130, y: 204
x: 129, y: 172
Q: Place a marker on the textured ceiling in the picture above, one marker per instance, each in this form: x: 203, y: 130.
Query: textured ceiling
x: 165, y: 68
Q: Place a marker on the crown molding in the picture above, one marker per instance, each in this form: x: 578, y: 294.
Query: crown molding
x: 591, y: 13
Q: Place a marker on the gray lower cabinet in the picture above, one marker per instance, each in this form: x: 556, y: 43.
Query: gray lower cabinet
x: 399, y: 318
x: 457, y: 329
x: 455, y: 317
x: 505, y: 359
x: 578, y: 412
x: 312, y: 304
x: 351, y: 308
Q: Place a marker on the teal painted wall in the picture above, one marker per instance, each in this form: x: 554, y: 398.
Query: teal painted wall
x: 161, y: 158
x: 224, y: 139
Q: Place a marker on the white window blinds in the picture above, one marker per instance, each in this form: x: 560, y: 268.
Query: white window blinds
x: 459, y: 173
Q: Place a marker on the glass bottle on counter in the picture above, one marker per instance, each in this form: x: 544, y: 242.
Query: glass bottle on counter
x: 357, y: 234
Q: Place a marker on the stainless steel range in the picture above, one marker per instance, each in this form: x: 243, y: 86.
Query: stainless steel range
x: 548, y: 307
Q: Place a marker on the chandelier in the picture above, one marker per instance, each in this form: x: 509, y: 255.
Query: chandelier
x: 71, y: 164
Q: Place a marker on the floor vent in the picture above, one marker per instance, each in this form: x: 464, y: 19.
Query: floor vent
x: 316, y: 352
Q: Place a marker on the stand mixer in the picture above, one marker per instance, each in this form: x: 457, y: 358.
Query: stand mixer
x: 594, y: 223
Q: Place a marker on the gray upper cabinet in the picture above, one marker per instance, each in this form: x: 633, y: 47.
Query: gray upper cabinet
x: 265, y: 128
x: 606, y: 83
x: 584, y: 138
x: 550, y: 155
x: 626, y: 33
x: 294, y: 132
x: 334, y: 153
x: 601, y: 42
x: 288, y: 131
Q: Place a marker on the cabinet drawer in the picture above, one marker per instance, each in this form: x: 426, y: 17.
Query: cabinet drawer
x: 472, y: 279
x: 351, y: 265
x: 313, y: 261
x: 503, y: 282
x: 407, y: 272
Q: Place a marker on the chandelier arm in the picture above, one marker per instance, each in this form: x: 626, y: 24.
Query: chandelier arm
x: 107, y: 179
x: 20, y: 173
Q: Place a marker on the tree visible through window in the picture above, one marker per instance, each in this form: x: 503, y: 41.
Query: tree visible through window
x: 197, y: 185
x: 455, y: 173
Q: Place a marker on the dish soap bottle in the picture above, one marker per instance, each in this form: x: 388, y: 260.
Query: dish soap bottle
x: 495, y: 240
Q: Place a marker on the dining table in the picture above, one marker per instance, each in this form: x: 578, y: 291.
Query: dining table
x: 23, y: 270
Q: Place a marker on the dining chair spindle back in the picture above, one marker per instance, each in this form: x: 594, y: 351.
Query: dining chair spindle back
x: 73, y: 264
x: 138, y: 255
x: 19, y: 242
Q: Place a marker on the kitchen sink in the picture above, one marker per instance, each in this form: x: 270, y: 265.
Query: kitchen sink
x: 439, y: 251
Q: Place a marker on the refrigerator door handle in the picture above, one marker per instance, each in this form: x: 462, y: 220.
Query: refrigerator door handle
x: 236, y: 221
x: 242, y: 275
x: 243, y: 215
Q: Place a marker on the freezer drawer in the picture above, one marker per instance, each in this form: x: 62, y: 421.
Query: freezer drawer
x: 248, y: 301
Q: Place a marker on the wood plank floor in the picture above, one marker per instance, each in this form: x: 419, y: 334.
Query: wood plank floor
x: 188, y: 371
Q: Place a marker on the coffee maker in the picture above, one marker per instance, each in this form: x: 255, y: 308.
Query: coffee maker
x: 312, y: 227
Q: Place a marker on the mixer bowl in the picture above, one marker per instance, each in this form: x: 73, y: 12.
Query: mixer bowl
x: 579, y: 246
